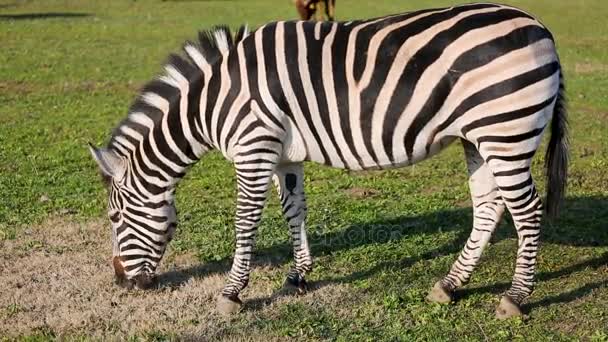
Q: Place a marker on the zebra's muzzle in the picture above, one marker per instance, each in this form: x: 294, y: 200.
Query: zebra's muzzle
x: 140, y: 281
x: 143, y: 281
x: 123, y: 282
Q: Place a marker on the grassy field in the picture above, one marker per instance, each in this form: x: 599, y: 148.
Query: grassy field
x: 68, y: 71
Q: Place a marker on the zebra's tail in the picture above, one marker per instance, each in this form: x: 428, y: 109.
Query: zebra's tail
x: 556, y: 159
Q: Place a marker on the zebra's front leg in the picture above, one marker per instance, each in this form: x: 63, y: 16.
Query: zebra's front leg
x: 289, y: 179
x: 253, y: 179
x: 488, y: 208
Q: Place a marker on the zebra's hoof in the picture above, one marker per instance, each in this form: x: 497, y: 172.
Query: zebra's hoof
x: 439, y: 294
x: 507, y: 309
x: 228, y: 305
x: 300, y: 286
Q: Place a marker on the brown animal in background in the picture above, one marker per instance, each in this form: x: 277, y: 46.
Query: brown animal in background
x: 306, y: 9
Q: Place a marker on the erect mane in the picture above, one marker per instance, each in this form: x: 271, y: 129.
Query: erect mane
x: 198, y: 57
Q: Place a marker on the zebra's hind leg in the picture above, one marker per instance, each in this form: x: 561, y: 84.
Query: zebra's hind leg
x: 488, y: 208
x: 254, y: 173
x: 514, y: 179
x: 289, y: 180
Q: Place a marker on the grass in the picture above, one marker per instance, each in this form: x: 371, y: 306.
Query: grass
x: 68, y: 76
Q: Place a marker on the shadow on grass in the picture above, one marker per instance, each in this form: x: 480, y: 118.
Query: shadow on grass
x: 176, y: 278
x: 582, y: 224
x: 36, y: 16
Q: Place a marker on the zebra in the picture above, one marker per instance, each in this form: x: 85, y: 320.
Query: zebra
x: 367, y: 94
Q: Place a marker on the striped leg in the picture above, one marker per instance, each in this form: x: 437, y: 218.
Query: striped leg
x: 289, y: 180
x: 488, y: 208
x: 525, y: 207
x: 513, y: 177
x: 254, y: 176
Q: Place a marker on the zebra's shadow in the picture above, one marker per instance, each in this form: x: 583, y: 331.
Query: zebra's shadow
x: 41, y: 16
x: 582, y: 224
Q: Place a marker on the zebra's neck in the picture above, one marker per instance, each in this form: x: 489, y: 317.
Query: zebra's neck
x: 162, y: 135
x: 169, y: 125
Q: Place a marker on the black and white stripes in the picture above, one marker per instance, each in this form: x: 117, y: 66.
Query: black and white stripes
x: 369, y: 94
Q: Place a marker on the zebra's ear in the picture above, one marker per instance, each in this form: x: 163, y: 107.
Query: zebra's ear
x: 110, y: 164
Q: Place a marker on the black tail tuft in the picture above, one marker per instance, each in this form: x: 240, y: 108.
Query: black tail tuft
x: 556, y: 159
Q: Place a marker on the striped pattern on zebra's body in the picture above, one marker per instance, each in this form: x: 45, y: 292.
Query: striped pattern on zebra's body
x: 369, y: 94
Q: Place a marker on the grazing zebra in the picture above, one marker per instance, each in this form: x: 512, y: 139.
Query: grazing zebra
x: 369, y: 94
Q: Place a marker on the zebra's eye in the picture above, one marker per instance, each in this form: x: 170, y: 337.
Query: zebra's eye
x: 115, y: 216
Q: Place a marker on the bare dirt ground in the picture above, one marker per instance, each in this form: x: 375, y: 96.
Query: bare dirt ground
x: 57, y: 277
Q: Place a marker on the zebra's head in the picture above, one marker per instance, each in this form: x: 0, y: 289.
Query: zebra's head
x: 143, y: 223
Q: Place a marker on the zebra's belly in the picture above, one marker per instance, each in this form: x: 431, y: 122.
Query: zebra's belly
x: 353, y: 163
x: 418, y: 154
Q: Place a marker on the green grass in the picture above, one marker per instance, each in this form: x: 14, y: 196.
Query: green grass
x: 68, y: 80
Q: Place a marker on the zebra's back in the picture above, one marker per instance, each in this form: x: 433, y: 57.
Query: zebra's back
x: 392, y: 91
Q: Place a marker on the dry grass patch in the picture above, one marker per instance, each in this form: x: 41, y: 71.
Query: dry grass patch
x: 586, y: 68
x: 57, y: 276
x: 361, y: 193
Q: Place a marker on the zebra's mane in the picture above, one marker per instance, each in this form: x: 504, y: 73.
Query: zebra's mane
x: 197, y: 59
